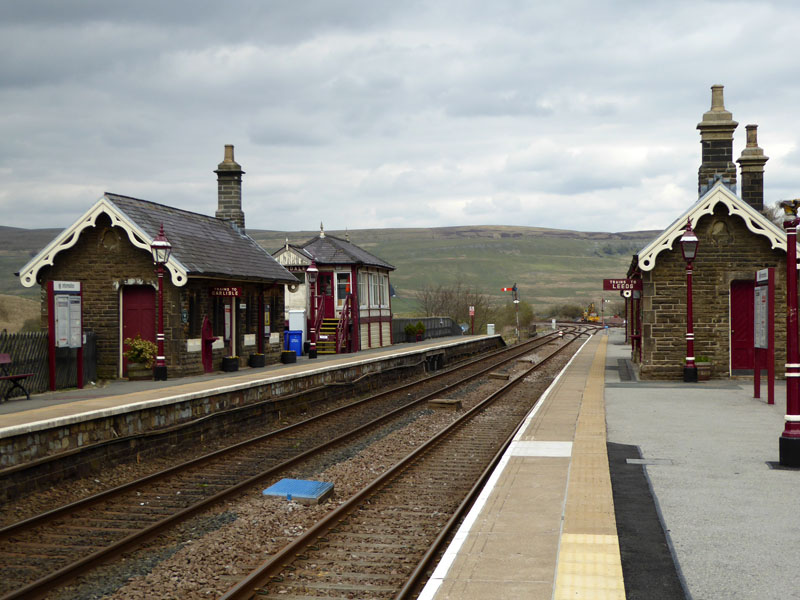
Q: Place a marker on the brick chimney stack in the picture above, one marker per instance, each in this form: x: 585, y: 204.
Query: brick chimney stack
x: 229, y: 190
x: 752, y: 163
x: 716, y: 138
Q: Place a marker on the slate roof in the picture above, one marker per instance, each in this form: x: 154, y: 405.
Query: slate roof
x: 204, y: 245
x: 330, y: 250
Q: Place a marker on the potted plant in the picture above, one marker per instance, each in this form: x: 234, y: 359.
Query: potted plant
x: 230, y: 363
x: 420, y: 331
x: 257, y: 359
x: 411, y: 332
x: 703, y: 364
x: 141, y: 355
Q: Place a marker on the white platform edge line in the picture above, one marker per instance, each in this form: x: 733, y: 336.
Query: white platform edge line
x: 543, y: 449
x: 437, y: 578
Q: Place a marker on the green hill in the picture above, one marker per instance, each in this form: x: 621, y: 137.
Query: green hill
x: 17, y: 247
x: 550, y: 266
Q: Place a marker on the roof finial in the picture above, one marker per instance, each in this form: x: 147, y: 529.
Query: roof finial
x: 287, y: 242
x: 321, y: 230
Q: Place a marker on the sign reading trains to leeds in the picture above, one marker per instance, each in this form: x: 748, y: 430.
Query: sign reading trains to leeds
x: 226, y: 291
x: 622, y: 284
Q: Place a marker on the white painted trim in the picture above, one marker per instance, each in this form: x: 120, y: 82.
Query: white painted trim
x: 70, y: 236
x: 792, y: 418
x: 719, y: 194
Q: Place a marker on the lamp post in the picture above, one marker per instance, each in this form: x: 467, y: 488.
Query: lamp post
x: 789, y: 445
x: 689, y: 243
x: 311, y: 274
x: 161, y: 249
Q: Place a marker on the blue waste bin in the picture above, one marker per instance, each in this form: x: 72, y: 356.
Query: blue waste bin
x: 294, y: 341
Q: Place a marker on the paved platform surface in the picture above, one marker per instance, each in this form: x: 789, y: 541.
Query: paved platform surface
x: 699, y: 513
x: 122, y: 393
x: 732, y: 521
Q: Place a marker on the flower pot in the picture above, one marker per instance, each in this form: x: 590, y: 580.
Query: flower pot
x: 230, y: 363
x: 288, y: 356
x: 703, y: 371
x: 139, y: 372
x: 257, y: 360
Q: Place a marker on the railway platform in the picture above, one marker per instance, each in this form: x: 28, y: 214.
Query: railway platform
x: 57, y: 422
x: 619, y: 488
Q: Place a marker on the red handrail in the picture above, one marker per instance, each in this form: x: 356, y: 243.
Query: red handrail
x: 318, y: 316
x: 344, y: 321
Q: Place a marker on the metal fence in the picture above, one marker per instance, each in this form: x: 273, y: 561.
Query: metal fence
x: 28, y: 353
x: 434, y: 327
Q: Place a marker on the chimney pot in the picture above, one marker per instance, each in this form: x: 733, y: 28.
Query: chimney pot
x: 717, y: 99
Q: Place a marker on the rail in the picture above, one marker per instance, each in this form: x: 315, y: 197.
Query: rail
x: 66, y: 572
x: 374, y: 498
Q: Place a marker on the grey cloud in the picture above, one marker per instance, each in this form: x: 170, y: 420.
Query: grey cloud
x: 354, y: 111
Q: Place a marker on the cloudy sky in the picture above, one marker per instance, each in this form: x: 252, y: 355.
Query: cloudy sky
x: 570, y: 114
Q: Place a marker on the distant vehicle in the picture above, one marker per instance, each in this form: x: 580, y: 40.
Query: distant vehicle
x: 590, y: 314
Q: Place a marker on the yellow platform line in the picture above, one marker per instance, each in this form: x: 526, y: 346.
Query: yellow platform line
x: 589, y: 564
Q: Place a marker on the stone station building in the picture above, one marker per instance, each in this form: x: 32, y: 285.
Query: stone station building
x: 736, y: 240
x: 221, y: 289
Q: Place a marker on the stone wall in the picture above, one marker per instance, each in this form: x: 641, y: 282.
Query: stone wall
x: 104, y: 261
x: 728, y: 252
x: 100, y: 260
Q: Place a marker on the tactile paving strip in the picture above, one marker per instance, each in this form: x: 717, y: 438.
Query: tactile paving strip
x: 589, y: 564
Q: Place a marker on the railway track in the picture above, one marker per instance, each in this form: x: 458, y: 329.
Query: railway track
x: 51, y: 549
x: 382, y: 541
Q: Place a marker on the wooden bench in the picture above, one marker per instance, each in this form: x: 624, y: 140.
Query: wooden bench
x: 5, y: 361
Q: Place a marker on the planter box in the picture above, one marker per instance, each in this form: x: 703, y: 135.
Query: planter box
x: 288, y: 356
x: 703, y: 371
x: 139, y: 372
x: 257, y: 360
x: 230, y: 364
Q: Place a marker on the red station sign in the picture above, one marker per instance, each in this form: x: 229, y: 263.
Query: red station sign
x: 621, y: 284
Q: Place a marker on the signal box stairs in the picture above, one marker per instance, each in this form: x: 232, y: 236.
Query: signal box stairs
x: 326, y: 340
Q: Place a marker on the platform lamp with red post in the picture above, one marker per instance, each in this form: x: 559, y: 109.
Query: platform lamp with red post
x: 161, y: 249
x: 789, y: 445
x: 311, y: 274
x: 689, y: 243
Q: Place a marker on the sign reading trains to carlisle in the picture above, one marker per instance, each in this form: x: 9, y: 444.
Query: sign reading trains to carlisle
x: 622, y: 284
x: 226, y: 291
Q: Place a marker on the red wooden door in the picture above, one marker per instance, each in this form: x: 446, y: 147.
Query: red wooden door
x: 742, y: 325
x: 326, y: 291
x: 138, y: 315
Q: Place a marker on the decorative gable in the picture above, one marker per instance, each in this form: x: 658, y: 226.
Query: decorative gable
x: 719, y: 194
x: 69, y: 237
x: 291, y: 257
